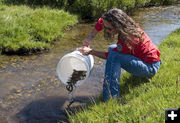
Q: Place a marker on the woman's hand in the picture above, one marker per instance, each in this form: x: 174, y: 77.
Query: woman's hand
x: 85, y: 50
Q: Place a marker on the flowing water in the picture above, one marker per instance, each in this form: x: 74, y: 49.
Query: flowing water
x: 30, y: 91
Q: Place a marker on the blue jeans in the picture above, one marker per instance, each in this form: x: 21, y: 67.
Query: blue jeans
x: 116, y: 61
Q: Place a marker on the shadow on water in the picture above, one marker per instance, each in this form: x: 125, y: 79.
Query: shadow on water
x: 50, y: 110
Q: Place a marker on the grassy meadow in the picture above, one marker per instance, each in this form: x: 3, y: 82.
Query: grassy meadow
x: 25, y: 29
x: 142, y: 100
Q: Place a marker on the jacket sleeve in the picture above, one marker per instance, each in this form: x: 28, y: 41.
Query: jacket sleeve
x: 99, y: 25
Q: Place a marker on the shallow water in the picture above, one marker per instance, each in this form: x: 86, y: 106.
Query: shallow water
x: 158, y: 22
x: 29, y: 86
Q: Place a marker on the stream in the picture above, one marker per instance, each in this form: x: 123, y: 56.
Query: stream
x: 30, y: 91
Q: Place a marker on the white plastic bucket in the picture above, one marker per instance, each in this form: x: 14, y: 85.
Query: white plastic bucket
x: 74, y: 60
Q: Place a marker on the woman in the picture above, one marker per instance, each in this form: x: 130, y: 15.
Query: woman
x: 134, y: 51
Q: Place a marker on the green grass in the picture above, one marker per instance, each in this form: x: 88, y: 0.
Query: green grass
x: 142, y: 100
x: 89, y: 8
x: 26, y: 28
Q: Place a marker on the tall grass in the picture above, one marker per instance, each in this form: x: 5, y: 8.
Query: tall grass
x: 89, y: 8
x: 25, y: 28
x: 142, y: 100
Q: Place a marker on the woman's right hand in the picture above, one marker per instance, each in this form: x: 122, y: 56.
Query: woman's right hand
x: 85, y: 50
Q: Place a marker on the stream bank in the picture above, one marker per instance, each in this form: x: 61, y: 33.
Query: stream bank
x: 30, y: 89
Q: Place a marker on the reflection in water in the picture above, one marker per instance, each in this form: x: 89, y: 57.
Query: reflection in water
x: 28, y: 83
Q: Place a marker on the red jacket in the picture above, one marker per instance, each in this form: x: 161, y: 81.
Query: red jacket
x: 145, y: 51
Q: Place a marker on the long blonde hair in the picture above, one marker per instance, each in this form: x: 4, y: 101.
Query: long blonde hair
x: 125, y: 26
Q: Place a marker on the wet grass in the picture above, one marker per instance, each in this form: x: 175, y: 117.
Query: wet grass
x: 24, y: 29
x: 142, y: 100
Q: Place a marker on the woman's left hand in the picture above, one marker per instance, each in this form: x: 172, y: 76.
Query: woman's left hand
x: 85, y: 50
